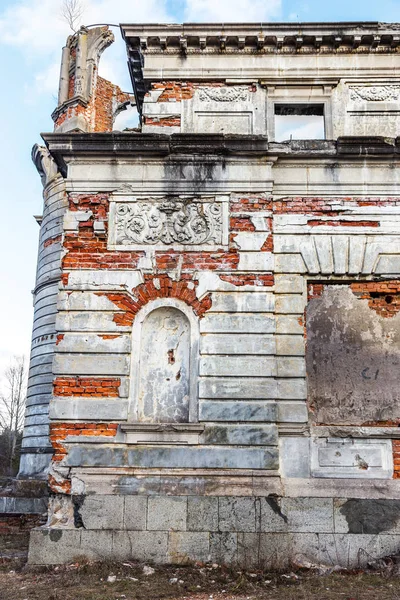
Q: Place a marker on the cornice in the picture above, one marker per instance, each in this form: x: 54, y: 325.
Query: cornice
x: 261, y: 37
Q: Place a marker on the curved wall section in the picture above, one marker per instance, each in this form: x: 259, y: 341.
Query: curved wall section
x: 36, y: 447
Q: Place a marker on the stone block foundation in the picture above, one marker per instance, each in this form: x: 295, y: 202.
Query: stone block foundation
x: 266, y: 532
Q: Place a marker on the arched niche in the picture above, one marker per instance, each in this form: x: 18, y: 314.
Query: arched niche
x: 165, y: 347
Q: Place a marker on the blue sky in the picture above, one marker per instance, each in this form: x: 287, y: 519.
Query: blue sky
x: 31, y: 38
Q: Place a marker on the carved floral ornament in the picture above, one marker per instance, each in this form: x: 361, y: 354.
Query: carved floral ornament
x: 223, y: 94
x: 167, y: 222
x: 376, y: 93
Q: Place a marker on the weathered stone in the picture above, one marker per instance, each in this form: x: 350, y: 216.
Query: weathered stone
x: 54, y: 546
x: 202, y: 514
x: 102, y: 512
x: 241, y: 435
x: 223, y: 548
x: 187, y: 547
x: 141, y: 545
x: 238, y: 514
x: 96, y: 545
x: 224, y: 410
x: 135, y: 513
x: 166, y: 514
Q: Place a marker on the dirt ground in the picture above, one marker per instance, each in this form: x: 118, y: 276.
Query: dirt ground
x: 129, y: 581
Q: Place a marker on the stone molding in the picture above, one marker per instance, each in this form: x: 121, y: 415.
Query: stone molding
x: 375, y: 93
x: 146, y: 223
x: 272, y: 37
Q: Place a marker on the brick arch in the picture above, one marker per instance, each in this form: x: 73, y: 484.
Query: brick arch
x: 157, y: 286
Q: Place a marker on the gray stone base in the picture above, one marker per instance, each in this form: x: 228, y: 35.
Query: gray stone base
x: 263, y: 532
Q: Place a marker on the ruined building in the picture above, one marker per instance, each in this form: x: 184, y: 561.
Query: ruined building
x: 216, y: 344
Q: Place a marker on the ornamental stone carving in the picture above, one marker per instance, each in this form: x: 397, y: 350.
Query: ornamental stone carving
x: 223, y: 94
x: 167, y: 222
x: 376, y: 93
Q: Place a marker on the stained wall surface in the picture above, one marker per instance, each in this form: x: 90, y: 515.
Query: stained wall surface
x: 226, y: 307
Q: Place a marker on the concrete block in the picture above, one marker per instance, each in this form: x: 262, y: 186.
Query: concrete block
x: 314, y: 515
x: 54, y: 546
x: 238, y: 514
x: 102, y: 512
x: 91, y: 342
x: 240, y: 388
x: 241, y: 435
x: 242, y: 302
x: 290, y: 304
x: 223, y: 548
x: 272, y: 519
x: 227, y: 343
x: 350, y: 551
x: 292, y: 389
x: 242, y: 323
x: 294, y: 454
x: 244, y: 366
x: 291, y: 367
x: 292, y: 412
x: 289, y: 284
x: 290, y: 345
x: 289, y: 263
x: 82, y: 364
x: 224, y: 410
x: 149, y: 546
x: 289, y: 325
x: 96, y: 545
x: 202, y: 514
x: 256, y: 261
x: 264, y: 551
x: 186, y: 547
x: 104, y: 279
x: 135, y: 513
x: 167, y: 513
x: 101, y: 409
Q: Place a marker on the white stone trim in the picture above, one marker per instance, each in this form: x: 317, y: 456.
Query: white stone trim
x: 194, y: 354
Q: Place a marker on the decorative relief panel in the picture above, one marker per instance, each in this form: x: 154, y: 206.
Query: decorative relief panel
x: 223, y: 94
x: 376, y: 93
x: 168, y: 222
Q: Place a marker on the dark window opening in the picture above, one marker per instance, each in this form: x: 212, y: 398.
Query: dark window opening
x: 299, y: 122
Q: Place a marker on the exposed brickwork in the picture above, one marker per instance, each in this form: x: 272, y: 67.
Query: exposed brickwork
x: 97, y: 387
x: 11, y: 524
x: 192, y: 261
x: 268, y: 245
x: 241, y: 223
x: 396, y: 459
x: 51, y: 241
x: 328, y: 206
x: 383, y: 296
x: 174, y: 90
x: 59, y: 486
x: 154, y: 287
x: 249, y: 279
x: 59, y: 338
x: 250, y: 203
x: 60, y: 431
x: 106, y: 99
x: 314, y: 290
x: 342, y: 223
x: 163, y: 121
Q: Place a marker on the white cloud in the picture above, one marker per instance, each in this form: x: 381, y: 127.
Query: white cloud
x: 38, y: 30
x: 228, y: 11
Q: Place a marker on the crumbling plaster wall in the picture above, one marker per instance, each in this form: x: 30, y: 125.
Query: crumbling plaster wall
x: 243, y: 235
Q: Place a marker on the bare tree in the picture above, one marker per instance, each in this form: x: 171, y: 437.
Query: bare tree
x: 12, y: 409
x: 72, y: 12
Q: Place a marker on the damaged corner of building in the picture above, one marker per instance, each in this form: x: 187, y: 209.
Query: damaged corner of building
x: 215, y: 357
